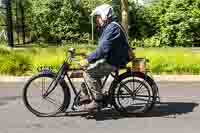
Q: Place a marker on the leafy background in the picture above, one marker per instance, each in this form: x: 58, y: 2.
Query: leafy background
x: 158, y: 23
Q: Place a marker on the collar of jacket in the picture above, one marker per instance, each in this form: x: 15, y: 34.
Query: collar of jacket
x: 100, y: 30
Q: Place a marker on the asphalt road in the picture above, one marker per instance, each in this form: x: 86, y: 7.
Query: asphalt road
x: 178, y: 112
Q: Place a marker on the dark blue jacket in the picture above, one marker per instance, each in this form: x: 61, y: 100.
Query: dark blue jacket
x: 112, y: 46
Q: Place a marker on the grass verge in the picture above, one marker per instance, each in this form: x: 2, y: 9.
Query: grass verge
x: 25, y: 61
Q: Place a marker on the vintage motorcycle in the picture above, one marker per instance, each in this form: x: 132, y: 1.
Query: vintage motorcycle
x: 131, y: 89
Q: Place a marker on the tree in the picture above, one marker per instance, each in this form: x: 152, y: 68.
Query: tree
x: 124, y: 12
x: 116, y: 4
x: 178, y: 22
x: 62, y: 20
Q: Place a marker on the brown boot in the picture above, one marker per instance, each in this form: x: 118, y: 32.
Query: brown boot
x: 84, y: 100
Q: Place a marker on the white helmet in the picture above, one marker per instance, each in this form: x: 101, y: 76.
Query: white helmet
x: 105, y: 11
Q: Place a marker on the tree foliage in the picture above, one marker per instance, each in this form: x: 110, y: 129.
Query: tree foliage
x: 62, y: 20
x: 160, y: 23
x: 177, y: 22
x: 141, y: 24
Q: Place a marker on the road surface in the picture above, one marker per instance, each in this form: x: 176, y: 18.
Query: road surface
x: 178, y: 112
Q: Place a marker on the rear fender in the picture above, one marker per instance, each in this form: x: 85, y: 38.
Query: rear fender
x: 141, y: 75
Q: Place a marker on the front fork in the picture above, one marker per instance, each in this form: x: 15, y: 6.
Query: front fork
x: 59, y: 76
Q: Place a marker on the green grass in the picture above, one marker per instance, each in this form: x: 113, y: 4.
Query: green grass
x: 172, y: 60
x: 25, y: 61
x: 13, y: 62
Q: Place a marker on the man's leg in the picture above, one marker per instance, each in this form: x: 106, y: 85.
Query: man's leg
x: 93, y: 76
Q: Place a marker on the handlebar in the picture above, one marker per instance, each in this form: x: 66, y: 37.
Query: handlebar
x: 81, y: 54
x: 72, y: 55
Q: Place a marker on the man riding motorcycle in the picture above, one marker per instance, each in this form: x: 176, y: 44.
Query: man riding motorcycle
x: 110, y: 54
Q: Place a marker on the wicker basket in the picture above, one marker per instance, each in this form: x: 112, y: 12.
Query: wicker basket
x: 139, y: 65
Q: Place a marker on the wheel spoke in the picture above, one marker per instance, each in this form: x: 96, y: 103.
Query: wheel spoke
x: 41, y: 103
x: 36, y: 85
x: 51, y: 100
x: 128, y: 96
x: 136, y: 104
x: 138, y: 88
x: 43, y: 86
x: 128, y: 90
x: 141, y: 99
x: 139, y: 92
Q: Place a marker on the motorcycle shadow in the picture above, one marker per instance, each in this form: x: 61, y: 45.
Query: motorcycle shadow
x: 164, y: 109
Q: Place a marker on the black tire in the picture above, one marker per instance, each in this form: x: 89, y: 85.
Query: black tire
x: 143, y: 80
x: 63, y: 105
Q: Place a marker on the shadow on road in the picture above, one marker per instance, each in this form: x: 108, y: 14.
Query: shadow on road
x: 170, y: 109
x: 167, y: 109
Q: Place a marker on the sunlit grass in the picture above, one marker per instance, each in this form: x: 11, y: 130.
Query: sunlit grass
x: 172, y: 60
x: 25, y: 61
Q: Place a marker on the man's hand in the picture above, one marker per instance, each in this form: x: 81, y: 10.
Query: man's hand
x: 84, y: 62
x: 82, y: 54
